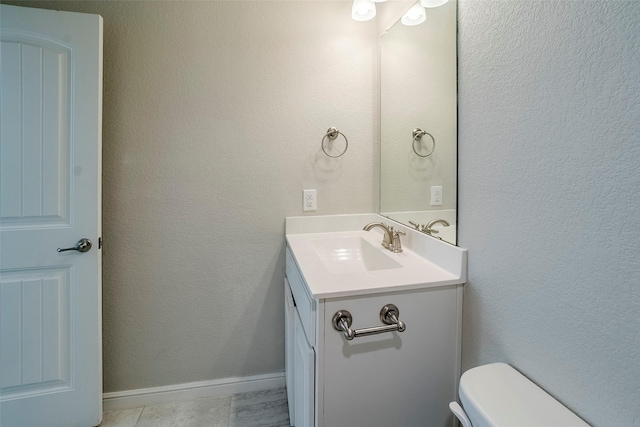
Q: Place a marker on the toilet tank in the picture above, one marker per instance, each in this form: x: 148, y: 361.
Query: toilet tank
x: 497, y: 395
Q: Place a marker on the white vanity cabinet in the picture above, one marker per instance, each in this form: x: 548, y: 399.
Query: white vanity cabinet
x: 395, y: 378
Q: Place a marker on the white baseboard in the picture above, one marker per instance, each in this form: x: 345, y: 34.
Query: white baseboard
x: 190, y: 391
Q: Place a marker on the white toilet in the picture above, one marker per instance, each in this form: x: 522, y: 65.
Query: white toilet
x: 497, y: 395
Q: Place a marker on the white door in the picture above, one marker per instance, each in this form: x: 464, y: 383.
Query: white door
x: 50, y: 198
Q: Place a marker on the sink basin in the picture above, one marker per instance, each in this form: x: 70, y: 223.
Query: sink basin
x: 350, y: 254
x: 339, y: 259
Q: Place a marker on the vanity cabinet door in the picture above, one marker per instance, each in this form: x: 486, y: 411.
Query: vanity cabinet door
x: 392, y: 379
x: 289, y: 351
x: 303, y: 377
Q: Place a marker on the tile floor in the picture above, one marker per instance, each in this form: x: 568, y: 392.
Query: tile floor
x: 257, y: 409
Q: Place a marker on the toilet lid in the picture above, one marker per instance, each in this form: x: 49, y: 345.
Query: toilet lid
x: 497, y: 395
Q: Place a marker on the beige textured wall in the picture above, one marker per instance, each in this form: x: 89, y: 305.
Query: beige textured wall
x: 213, y: 117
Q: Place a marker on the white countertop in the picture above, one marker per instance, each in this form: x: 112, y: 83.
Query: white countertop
x: 417, y: 269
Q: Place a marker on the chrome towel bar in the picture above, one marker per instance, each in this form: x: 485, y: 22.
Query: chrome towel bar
x: 342, y: 321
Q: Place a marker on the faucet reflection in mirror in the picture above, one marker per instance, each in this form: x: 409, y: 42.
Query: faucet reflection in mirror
x: 418, y: 91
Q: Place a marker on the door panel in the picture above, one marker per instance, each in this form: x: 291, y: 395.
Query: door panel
x: 35, y: 331
x: 34, y: 175
x: 304, y: 368
x: 289, y: 353
x: 50, y: 194
x: 419, y: 364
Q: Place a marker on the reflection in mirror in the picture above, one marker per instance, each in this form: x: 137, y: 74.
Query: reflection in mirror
x: 418, y: 123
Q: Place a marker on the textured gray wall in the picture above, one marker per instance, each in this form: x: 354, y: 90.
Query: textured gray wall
x: 549, y: 204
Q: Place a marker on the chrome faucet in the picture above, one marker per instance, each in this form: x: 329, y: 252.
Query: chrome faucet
x: 391, y: 238
x: 418, y: 227
x: 428, y: 229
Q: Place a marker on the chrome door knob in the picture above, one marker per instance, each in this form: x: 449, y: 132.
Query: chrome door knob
x: 83, y: 245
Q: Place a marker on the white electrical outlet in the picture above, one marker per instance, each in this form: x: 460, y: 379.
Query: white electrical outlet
x: 309, y: 202
x: 436, y: 195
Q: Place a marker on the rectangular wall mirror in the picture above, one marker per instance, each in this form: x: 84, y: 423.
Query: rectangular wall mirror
x: 418, y: 123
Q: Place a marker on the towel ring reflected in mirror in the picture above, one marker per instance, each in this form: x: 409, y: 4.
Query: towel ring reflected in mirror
x: 332, y: 134
x: 417, y: 137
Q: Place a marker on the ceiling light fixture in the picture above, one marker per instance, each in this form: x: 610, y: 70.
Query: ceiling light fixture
x: 414, y: 16
x: 363, y: 10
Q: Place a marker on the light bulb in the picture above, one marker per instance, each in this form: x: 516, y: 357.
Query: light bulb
x: 432, y: 3
x: 363, y: 10
x: 414, y: 16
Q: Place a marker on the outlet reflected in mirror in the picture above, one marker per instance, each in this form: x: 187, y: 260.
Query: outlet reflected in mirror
x: 418, y: 122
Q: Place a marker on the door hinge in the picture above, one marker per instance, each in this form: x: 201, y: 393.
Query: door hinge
x: 99, y: 242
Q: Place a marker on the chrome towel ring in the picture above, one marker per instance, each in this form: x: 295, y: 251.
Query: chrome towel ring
x: 417, y: 136
x: 332, y: 133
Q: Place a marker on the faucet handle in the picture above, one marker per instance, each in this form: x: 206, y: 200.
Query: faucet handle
x: 395, y: 232
x: 419, y: 227
x: 396, y: 244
